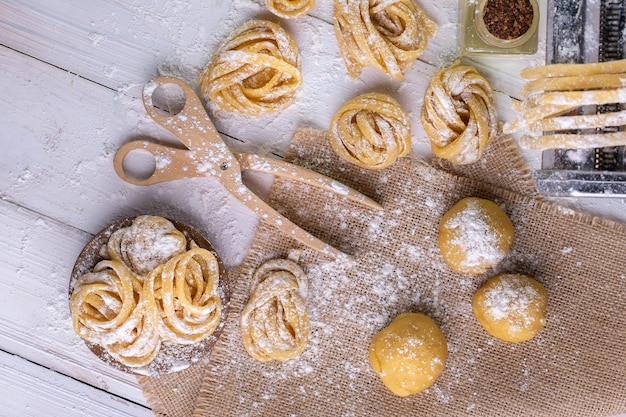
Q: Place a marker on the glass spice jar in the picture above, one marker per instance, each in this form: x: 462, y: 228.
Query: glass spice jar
x: 499, y: 26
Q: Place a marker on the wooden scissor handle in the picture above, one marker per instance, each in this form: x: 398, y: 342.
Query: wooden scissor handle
x: 191, y: 125
x: 204, y: 152
x: 169, y: 163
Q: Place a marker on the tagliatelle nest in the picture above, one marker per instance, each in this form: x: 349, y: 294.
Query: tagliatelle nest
x: 256, y: 70
x: 459, y: 114
x: 371, y: 130
x: 386, y: 35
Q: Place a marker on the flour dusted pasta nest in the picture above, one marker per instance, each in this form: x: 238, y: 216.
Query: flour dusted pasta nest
x: 275, y: 321
x: 511, y: 307
x: 155, y: 322
x: 107, y: 311
x: 475, y: 235
x: 409, y: 354
x: 256, y: 70
x: 386, y: 35
x: 459, y: 114
x: 290, y: 9
x: 148, y: 242
x: 181, y: 296
x: 371, y: 130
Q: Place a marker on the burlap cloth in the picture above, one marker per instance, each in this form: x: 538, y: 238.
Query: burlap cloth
x: 575, y: 367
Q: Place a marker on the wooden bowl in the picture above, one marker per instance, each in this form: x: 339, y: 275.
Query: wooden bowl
x: 172, y: 357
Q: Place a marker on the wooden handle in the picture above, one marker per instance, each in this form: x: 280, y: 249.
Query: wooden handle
x: 191, y: 125
x: 169, y: 163
x: 205, y: 153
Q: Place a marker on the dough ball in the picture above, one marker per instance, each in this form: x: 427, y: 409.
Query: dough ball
x: 474, y: 235
x: 409, y: 354
x: 511, y: 307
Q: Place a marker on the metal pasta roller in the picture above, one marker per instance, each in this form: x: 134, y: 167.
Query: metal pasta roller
x: 581, y: 31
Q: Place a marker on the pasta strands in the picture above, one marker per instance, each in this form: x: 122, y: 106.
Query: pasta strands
x: 385, y: 34
x: 256, y: 70
x: 459, y: 114
x: 130, y: 315
x: 135, y: 343
x: 290, y: 9
x: 102, y: 300
x: 147, y: 242
x: 557, y: 99
x: 371, y: 130
x: 275, y: 322
x: 181, y: 297
x: 106, y: 310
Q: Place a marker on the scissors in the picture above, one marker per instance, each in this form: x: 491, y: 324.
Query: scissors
x: 206, y: 154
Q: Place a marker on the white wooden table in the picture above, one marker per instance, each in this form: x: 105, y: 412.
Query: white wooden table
x: 70, y: 76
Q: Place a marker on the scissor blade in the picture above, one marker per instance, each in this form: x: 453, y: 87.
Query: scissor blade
x: 272, y: 217
x: 280, y: 168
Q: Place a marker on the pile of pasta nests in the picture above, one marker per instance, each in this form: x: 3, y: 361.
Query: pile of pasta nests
x: 153, y: 286
x: 257, y: 69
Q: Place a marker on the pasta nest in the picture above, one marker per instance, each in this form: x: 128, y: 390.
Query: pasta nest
x: 459, y: 114
x: 256, y: 70
x: 148, y: 242
x: 290, y: 9
x: 387, y: 35
x: 107, y: 310
x: 181, y: 297
x: 275, y: 321
x: 129, y: 315
x: 371, y: 130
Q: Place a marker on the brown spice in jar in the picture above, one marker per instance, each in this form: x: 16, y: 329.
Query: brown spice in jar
x: 508, y: 19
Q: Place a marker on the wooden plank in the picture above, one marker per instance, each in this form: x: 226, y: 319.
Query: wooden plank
x: 117, y: 44
x: 31, y: 390
x: 36, y: 258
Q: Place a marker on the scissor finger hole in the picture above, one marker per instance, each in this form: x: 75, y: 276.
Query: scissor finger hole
x: 168, y: 99
x: 139, y: 164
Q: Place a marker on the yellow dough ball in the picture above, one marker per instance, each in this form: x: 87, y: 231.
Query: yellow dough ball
x: 511, y: 307
x: 474, y: 235
x: 409, y: 354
